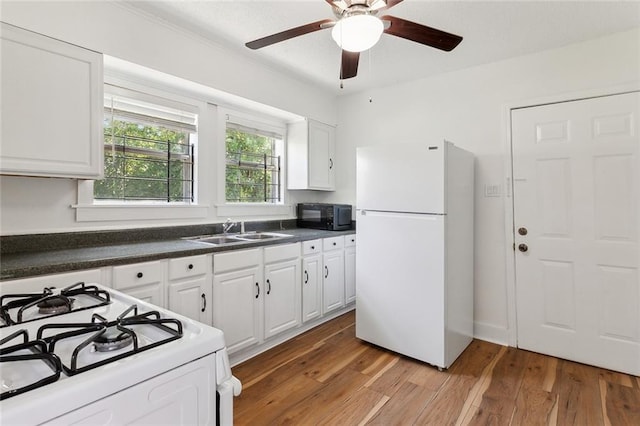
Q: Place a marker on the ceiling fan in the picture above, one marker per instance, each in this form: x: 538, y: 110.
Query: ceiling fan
x: 358, y: 28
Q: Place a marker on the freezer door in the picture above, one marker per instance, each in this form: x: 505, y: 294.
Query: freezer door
x: 401, y: 177
x: 400, y: 283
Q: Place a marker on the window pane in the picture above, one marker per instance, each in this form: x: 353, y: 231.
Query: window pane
x: 145, y: 162
x: 252, y: 167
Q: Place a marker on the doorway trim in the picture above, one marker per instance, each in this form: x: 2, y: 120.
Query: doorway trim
x: 509, y: 223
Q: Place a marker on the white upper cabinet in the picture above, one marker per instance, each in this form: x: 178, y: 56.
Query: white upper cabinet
x: 311, y: 156
x: 51, y: 102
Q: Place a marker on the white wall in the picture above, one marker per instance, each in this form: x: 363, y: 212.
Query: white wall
x: 32, y: 205
x: 468, y: 107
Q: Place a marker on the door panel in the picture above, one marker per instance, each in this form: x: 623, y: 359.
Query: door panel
x: 575, y: 168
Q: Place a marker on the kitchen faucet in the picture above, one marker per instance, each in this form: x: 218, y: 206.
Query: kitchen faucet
x: 228, y: 224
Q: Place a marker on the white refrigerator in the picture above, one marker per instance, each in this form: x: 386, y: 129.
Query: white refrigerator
x: 414, y: 257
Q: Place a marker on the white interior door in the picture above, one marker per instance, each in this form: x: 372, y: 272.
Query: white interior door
x: 576, y: 183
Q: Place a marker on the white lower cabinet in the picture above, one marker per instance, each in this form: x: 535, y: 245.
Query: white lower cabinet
x: 237, y: 297
x: 189, y: 289
x: 349, y: 269
x: 282, y: 288
x: 311, y: 280
x: 333, y: 274
x: 144, y: 281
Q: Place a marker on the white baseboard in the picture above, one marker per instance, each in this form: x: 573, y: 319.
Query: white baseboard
x: 491, y: 333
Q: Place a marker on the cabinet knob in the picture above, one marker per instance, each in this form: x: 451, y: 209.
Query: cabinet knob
x: 139, y: 275
x: 313, y: 247
x: 335, y: 244
x: 190, y: 266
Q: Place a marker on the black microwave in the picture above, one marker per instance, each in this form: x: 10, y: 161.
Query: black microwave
x: 332, y: 217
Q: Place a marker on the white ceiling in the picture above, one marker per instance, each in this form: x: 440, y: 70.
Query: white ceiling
x: 492, y: 31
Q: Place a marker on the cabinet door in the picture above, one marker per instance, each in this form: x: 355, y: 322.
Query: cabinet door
x: 282, y: 297
x: 237, y: 307
x: 311, y: 287
x: 52, y: 95
x: 349, y: 275
x: 333, y: 281
x: 192, y: 299
x: 321, y: 156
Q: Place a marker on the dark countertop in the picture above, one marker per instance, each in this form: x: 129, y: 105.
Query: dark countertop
x: 33, y: 263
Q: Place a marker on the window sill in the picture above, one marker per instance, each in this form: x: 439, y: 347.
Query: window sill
x: 122, y: 212
x: 254, y: 210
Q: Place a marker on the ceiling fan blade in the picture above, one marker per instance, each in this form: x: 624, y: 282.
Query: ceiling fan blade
x: 389, y: 5
x: 340, y: 4
x: 421, y: 34
x: 290, y: 33
x: 349, y: 67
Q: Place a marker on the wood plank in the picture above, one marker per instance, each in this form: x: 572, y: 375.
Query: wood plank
x: 578, y: 387
x: 363, y: 404
x: 252, y: 408
x: 540, y: 372
x: 622, y: 404
x: 404, y: 406
x: 397, y: 375
x: 534, y: 407
x: 504, y: 383
x: 446, y: 407
x: 324, y: 401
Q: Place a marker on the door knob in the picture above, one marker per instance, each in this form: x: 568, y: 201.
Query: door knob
x: 523, y: 247
x: 522, y: 231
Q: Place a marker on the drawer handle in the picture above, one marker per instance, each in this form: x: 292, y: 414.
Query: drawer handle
x: 204, y: 302
x: 139, y: 275
x: 269, y: 288
x: 258, y: 292
x: 306, y: 276
x: 190, y: 266
x: 326, y: 271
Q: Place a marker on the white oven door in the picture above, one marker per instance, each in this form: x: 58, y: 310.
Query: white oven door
x: 182, y: 396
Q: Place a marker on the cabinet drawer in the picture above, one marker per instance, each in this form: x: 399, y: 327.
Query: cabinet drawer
x: 236, y: 260
x: 129, y: 276
x: 350, y: 240
x: 332, y: 243
x: 311, y: 247
x: 186, y: 267
x: 281, y: 252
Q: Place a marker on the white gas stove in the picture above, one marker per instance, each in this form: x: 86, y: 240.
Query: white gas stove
x: 89, y: 354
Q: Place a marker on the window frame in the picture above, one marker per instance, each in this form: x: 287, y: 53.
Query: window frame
x: 176, y: 117
x: 88, y: 209
x: 250, y: 120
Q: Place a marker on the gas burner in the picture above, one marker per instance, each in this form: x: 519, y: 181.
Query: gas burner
x: 112, y: 339
x: 21, y: 308
x: 84, y: 346
x: 55, y: 305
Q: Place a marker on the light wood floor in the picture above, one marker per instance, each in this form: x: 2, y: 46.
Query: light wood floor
x: 327, y: 376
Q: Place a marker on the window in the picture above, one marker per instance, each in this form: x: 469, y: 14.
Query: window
x: 149, y: 151
x: 253, y: 165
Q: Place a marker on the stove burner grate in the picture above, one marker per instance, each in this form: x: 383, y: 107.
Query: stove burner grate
x: 100, y: 331
x: 49, y: 303
x: 38, y: 351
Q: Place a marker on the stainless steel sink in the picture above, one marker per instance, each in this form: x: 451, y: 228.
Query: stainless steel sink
x: 237, y: 238
x: 261, y: 236
x: 218, y: 240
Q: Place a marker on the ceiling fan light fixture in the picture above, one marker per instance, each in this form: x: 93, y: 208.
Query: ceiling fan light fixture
x: 357, y: 33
